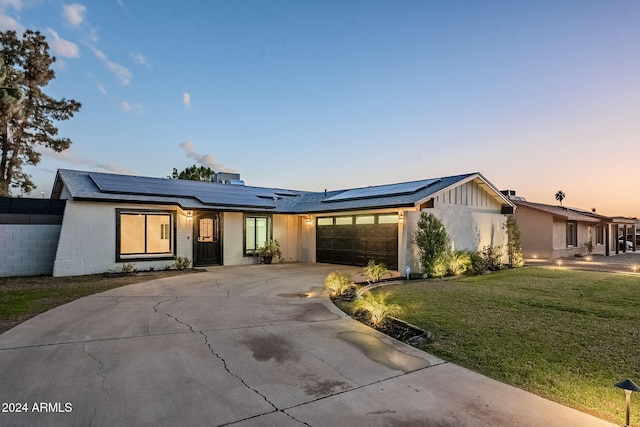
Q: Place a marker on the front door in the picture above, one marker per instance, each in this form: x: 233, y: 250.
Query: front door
x: 206, y: 229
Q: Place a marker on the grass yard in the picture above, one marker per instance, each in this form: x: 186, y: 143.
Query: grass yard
x: 24, y: 297
x: 564, y: 335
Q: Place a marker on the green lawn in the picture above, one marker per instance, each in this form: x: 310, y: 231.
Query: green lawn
x: 564, y: 335
x: 24, y: 297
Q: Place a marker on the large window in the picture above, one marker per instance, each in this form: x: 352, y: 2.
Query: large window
x: 572, y: 234
x: 257, y: 231
x: 144, y: 234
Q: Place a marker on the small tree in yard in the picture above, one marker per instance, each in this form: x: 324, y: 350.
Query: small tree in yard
x: 514, y: 245
x: 432, y: 241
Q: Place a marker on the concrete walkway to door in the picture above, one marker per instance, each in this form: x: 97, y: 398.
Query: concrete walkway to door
x: 239, y: 346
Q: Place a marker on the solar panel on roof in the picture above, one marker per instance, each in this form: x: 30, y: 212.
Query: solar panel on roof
x: 205, y: 192
x: 382, y: 191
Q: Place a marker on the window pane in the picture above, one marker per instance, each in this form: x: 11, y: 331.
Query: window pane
x: 132, y: 234
x: 205, y: 230
x: 388, y: 219
x: 250, y: 234
x: 325, y: 221
x: 261, y: 231
x: 344, y: 220
x: 369, y: 219
x: 158, y: 240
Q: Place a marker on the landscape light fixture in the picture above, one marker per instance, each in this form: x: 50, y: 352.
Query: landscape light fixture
x: 628, y: 386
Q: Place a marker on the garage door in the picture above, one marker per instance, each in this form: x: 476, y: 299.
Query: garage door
x: 356, y: 239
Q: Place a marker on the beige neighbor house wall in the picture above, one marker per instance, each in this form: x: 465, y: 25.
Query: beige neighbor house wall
x: 87, y: 243
x: 544, y: 235
x: 536, y: 232
x: 560, y: 247
x: 471, y: 216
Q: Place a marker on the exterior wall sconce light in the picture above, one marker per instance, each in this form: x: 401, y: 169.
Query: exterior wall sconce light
x: 400, y: 217
x: 307, y: 220
x: 189, y: 215
x: 628, y: 386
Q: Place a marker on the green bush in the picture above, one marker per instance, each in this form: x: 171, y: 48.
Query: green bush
x: 182, y: 263
x: 492, y: 256
x: 337, y: 283
x: 376, y: 307
x: 458, y: 262
x: 375, y: 272
x: 514, y: 244
x: 476, y: 263
x: 432, y: 241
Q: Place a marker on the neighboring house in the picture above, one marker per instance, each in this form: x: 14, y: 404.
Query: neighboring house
x: 112, y: 219
x: 549, y: 231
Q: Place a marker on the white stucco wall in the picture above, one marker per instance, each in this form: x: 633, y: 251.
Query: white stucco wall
x: 232, y: 240
x: 27, y: 249
x: 87, y: 243
x: 469, y: 228
x: 285, y: 231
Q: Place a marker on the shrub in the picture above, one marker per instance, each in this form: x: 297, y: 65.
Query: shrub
x: 492, y: 256
x: 458, y: 262
x: 477, y: 264
x: 432, y: 241
x: 376, y: 307
x: 337, y: 283
x: 182, y: 263
x: 514, y: 245
x: 375, y: 272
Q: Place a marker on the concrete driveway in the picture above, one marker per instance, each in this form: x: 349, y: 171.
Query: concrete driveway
x: 237, y: 346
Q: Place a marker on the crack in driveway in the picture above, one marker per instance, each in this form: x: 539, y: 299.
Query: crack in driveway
x: 224, y: 362
x: 101, y: 375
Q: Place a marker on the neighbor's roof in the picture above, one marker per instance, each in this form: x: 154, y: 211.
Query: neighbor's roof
x: 97, y: 186
x: 569, y: 214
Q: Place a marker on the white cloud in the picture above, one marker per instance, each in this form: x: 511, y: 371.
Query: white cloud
x: 61, y: 46
x: 140, y: 59
x: 72, y: 157
x: 15, y: 4
x: 8, y: 23
x: 102, y: 89
x: 74, y: 13
x: 110, y: 167
x: 121, y: 72
x: 186, y: 99
x: 208, y: 160
x: 128, y: 107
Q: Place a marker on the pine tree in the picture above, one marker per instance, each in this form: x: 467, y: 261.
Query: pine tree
x: 27, y: 114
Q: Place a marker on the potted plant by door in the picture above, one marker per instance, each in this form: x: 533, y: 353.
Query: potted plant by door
x: 268, y: 250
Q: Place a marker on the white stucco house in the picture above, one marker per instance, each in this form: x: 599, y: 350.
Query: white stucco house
x: 110, y: 220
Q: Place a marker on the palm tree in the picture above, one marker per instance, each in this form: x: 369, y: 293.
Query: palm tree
x: 560, y: 196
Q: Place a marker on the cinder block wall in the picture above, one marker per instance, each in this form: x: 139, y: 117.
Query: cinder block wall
x: 28, y: 249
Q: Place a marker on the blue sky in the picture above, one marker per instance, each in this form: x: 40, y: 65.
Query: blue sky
x: 538, y: 95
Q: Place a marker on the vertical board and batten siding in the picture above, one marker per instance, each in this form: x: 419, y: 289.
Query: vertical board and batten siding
x: 471, y: 215
x: 29, y: 234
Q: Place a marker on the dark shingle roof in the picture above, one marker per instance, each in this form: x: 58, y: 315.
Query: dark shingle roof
x: 205, y: 195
